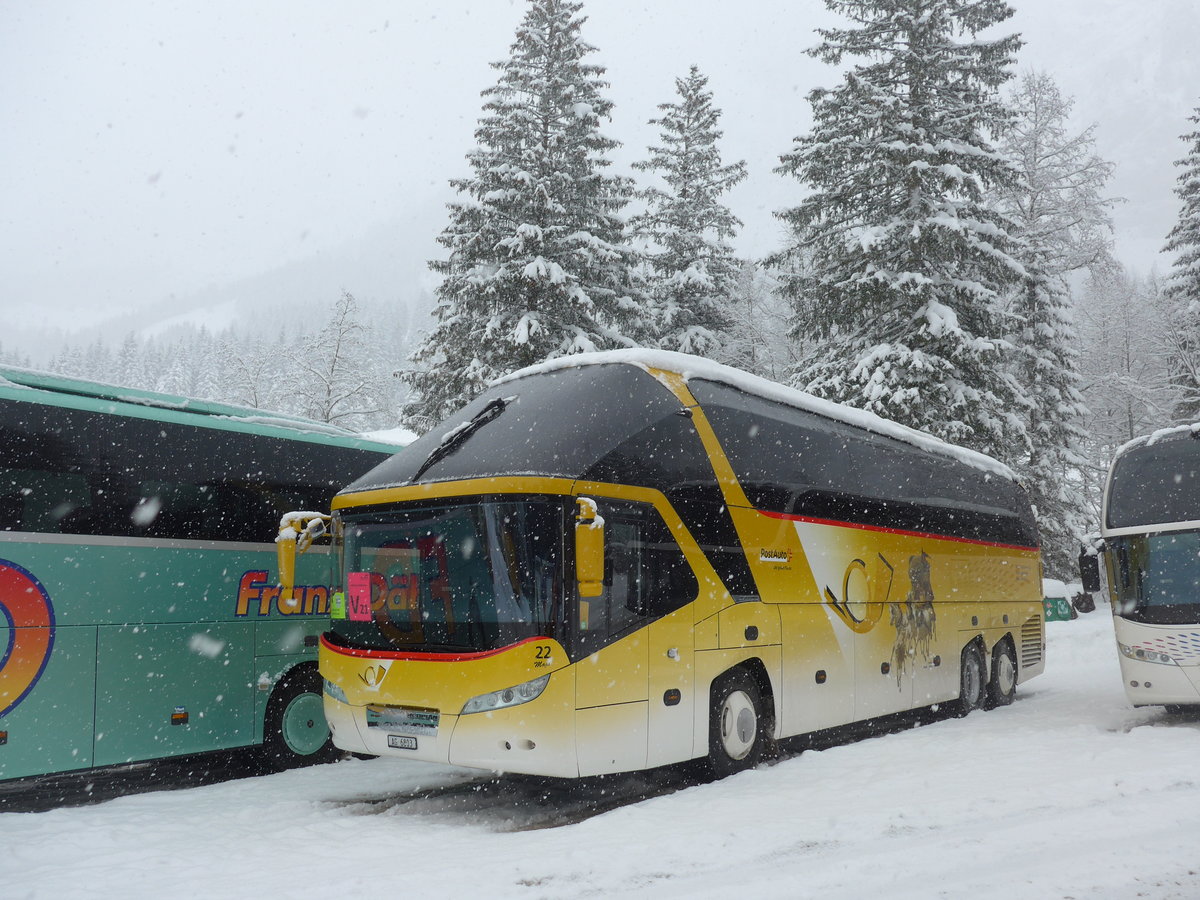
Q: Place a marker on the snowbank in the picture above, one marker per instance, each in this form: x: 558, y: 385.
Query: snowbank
x: 1069, y: 792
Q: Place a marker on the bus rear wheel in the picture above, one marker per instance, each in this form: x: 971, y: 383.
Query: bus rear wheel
x: 735, y: 729
x: 1002, y: 686
x: 971, y: 680
x: 295, y: 732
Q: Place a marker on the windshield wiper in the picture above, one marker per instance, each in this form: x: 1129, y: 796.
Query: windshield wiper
x: 456, y: 437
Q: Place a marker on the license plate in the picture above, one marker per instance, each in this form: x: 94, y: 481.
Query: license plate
x: 402, y: 742
x: 404, y: 720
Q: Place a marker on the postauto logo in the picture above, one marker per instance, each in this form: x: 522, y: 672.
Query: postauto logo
x: 25, y: 650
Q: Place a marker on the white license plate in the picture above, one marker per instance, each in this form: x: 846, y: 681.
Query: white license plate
x: 402, y: 742
x: 403, y: 720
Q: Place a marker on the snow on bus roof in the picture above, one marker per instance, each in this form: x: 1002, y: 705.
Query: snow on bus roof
x: 690, y: 367
x: 21, y: 378
x: 1162, y: 434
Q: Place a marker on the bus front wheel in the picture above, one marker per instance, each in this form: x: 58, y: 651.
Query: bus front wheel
x: 971, y: 680
x: 735, y: 730
x: 295, y: 732
x: 1002, y: 686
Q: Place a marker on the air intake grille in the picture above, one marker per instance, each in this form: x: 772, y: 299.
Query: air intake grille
x: 1031, y: 642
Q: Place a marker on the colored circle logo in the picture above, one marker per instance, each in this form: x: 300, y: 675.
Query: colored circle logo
x: 29, y: 614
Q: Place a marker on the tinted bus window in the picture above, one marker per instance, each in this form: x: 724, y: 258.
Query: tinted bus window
x: 557, y: 425
x: 1155, y: 484
x: 797, y: 462
x: 777, y: 451
x: 645, y: 577
x: 74, y: 472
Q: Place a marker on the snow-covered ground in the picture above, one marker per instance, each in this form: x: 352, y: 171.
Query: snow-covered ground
x: 1069, y: 793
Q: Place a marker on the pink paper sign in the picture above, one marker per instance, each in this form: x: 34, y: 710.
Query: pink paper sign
x: 358, y: 596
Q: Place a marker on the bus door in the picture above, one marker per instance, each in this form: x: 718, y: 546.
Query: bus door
x: 634, y: 644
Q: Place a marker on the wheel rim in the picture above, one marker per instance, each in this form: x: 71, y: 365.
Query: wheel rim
x: 739, y: 725
x: 1006, y: 673
x: 304, y: 729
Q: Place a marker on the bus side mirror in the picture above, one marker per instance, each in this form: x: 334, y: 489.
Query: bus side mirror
x: 285, y: 549
x: 1089, y: 569
x: 297, y: 531
x: 589, y: 548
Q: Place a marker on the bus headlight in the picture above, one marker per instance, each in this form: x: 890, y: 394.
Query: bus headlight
x: 513, y: 696
x: 1143, y: 655
x: 335, y: 692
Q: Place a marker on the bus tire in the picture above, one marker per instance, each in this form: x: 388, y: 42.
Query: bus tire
x: 294, y: 730
x: 735, y: 724
x: 971, y: 680
x: 1002, y: 685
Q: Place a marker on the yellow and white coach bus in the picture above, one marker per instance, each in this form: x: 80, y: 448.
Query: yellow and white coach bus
x: 1150, y: 526
x: 624, y: 560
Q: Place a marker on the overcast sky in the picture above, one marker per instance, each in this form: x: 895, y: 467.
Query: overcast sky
x: 149, y: 150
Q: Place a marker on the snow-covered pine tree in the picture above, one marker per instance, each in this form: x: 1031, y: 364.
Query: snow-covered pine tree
x: 1060, y: 214
x: 1181, y: 289
x: 537, y: 264
x: 14, y: 358
x: 67, y: 361
x: 1124, y: 329
x: 908, y: 256
x: 210, y: 367
x: 692, y: 271
x: 757, y: 340
x: 130, y: 364
x: 97, y: 362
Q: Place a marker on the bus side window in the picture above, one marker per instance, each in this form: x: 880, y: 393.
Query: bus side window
x: 645, y: 574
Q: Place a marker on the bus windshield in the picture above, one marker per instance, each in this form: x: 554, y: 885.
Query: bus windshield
x: 467, y: 577
x: 1156, y: 483
x: 1157, y: 576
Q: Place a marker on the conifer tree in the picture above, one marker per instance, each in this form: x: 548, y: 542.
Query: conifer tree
x: 130, y: 365
x: 908, y: 256
x: 692, y: 269
x: 1181, y: 289
x: 537, y: 264
x: 68, y: 361
x: 211, y: 368
x: 1126, y: 337
x: 97, y: 362
x: 758, y: 340
x: 1060, y: 214
x: 180, y: 369
x: 14, y: 358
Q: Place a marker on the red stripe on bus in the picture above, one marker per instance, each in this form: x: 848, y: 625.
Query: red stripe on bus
x: 434, y: 657
x: 921, y: 534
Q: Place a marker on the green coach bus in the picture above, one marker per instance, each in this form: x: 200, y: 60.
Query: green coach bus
x: 140, y: 616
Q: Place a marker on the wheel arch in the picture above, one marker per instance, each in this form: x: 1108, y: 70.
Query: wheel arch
x: 1006, y: 638
x: 288, y: 740
x: 757, y: 670
x: 295, y: 670
x: 979, y: 644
